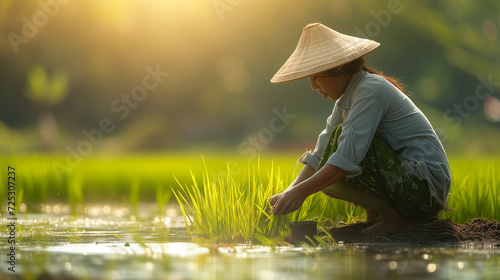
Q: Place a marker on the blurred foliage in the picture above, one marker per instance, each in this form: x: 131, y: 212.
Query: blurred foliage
x: 220, y: 62
x: 44, y: 90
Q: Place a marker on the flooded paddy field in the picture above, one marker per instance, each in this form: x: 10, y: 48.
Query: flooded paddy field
x: 108, y: 242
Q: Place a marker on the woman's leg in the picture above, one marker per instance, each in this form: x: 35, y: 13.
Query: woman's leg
x: 378, y: 209
x: 391, y: 222
x: 360, y: 197
x: 382, y: 188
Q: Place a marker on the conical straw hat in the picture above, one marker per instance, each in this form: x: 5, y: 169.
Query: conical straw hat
x: 321, y: 48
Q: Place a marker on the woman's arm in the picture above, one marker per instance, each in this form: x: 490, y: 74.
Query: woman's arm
x: 306, y: 172
x: 314, y: 157
x: 291, y: 199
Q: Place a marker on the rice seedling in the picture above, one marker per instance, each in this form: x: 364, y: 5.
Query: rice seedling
x: 316, y: 205
x: 75, y: 191
x: 327, y: 235
x: 227, y: 210
x: 474, y: 190
x: 19, y: 198
x: 163, y: 196
x: 134, y: 196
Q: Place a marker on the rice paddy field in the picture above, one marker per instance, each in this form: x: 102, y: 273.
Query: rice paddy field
x: 187, y: 216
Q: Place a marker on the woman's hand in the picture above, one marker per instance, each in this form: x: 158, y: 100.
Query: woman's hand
x: 287, y: 201
x: 273, y: 199
x: 291, y: 199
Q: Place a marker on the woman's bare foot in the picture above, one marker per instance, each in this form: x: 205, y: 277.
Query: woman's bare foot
x: 392, y: 222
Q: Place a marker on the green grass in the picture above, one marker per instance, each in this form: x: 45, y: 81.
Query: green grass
x: 127, y: 180
x: 474, y: 190
x: 224, y: 187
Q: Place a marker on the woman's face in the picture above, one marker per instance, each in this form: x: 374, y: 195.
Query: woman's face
x: 329, y: 84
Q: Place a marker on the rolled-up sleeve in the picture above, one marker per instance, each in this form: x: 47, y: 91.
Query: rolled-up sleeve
x: 358, y: 131
x: 313, y: 158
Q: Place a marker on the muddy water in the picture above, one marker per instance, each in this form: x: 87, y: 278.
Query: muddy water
x: 110, y: 243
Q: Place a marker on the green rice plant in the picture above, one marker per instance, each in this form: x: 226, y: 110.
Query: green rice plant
x: 474, y: 190
x: 31, y: 178
x: 315, y: 204
x: 330, y: 211
x: 134, y: 195
x: 109, y: 180
x: 225, y: 210
x: 327, y: 235
x: 19, y: 199
x: 163, y: 196
x: 134, y: 179
x: 264, y: 240
x: 75, y: 191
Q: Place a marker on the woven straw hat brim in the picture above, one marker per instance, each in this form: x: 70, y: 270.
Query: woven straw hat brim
x: 319, y: 49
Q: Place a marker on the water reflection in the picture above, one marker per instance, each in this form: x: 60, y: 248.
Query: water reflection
x: 186, y: 260
x: 117, y: 247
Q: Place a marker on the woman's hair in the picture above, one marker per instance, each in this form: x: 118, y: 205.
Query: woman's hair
x: 360, y: 64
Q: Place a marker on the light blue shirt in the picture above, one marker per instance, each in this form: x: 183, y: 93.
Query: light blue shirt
x: 373, y: 107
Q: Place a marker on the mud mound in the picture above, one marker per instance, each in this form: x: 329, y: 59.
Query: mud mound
x: 435, y: 232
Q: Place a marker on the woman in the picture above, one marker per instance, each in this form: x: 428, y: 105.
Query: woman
x: 378, y: 150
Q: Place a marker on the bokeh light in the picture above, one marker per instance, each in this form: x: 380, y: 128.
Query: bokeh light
x: 490, y: 29
x: 431, y: 268
x: 492, y: 108
x: 235, y: 76
x: 429, y: 88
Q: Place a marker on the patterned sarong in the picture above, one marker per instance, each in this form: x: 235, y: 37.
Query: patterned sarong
x: 383, y: 175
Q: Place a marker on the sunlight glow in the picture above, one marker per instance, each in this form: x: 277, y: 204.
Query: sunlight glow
x: 431, y: 267
x: 184, y: 249
x: 106, y: 210
x: 266, y: 274
x: 68, y: 266
x: 57, y: 209
x: 180, y: 249
x: 490, y: 30
x: 23, y: 208
x: 235, y: 77
x: 149, y: 266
